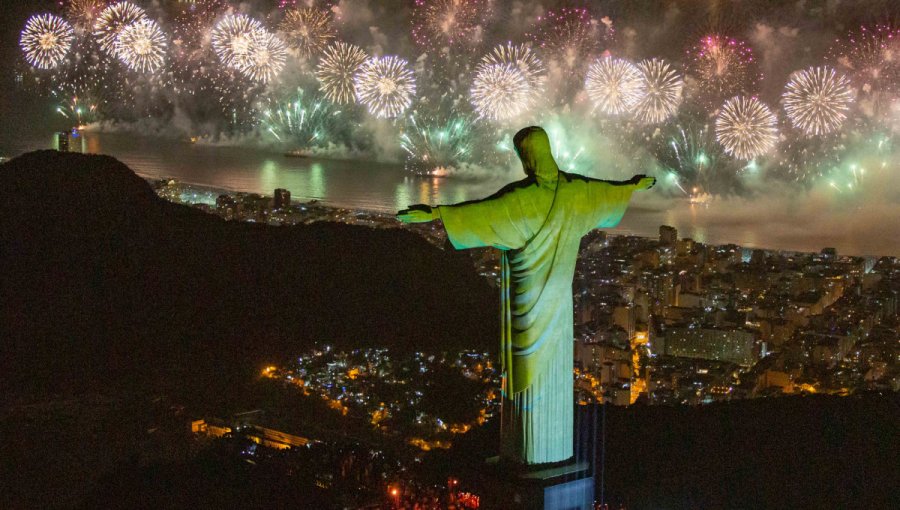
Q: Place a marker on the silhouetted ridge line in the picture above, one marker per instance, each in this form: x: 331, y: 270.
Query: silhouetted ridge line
x: 104, y: 282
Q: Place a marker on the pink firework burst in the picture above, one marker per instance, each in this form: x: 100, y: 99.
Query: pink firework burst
x: 723, y: 67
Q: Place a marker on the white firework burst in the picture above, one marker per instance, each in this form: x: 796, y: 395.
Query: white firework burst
x: 385, y: 85
x: 508, y: 81
x: 112, y: 21
x: 46, y: 40
x: 142, y: 46
x: 231, y: 39
x: 662, y: 86
x: 746, y: 128
x: 266, y: 55
x: 500, y: 91
x: 817, y: 100
x: 614, y: 85
x: 337, y: 67
x: 522, y: 58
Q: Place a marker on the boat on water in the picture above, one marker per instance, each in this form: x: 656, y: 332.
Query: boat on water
x: 298, y: 153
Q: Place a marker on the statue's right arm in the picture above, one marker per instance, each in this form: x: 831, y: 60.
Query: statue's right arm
x: 642, y: 182
x: 638, y: 182
x: 419, y: 213
x: 486, y: 222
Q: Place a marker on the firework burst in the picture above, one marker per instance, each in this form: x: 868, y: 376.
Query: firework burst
x: 46, y: 40
x: 723, y: 66
x: 691, y: 159
x: 307, y: 30
x: 508, y: 82
x: 266, y: 56
x: 614, y: 85
x: 746, y: 128
x: 817, y: 100
x: 301, y: 120
x: 438, y: 23
x: 192, y: 25
x: 112, y: 21
x: 84, y: 13
x: 437, y: 143
x: 385, y: 85
x: 662, y: 86
x: 522, y: 58
x: 870, y: 57
x: 231, y: 39
x: 500, y: 92
x: 568, y: 155
x: 339, y: 63
x: 570, y: 36
x: 90, y: 73
x: 78, y: 110
x: 142, y: 46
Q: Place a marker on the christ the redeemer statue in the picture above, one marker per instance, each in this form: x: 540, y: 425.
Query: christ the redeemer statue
x: 537, y: 224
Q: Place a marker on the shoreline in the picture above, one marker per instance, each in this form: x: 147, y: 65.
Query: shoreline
x: 213, y: 192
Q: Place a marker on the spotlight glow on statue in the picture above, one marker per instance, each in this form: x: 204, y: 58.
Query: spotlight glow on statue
x: 537, y: 224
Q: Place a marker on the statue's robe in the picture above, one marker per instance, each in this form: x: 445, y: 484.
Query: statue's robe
x: 538, y: 226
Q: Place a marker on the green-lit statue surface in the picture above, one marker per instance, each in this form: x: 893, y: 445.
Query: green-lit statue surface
x: 537, y: 223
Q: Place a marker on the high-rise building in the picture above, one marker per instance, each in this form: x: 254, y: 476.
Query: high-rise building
x: 62, y: 139
x: 282, y: 199
x: 667, y: 235
x: 227, y: 207
x: 733, y: 345
x: 758, y: 258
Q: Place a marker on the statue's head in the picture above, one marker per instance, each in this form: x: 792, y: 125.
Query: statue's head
x: 533, y: 147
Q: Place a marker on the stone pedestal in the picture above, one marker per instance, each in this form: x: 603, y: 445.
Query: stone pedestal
x: 568, y: 486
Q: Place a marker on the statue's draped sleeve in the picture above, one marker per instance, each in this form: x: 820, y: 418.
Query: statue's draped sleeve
x: 488, y: 222
x: 608, y: 201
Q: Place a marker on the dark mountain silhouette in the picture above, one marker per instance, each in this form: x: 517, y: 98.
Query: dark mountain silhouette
x: 106, y: 284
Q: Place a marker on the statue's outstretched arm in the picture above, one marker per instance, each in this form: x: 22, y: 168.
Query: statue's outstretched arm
x: 638, y: 182
x: 419, y: 213
x: 608, y: 200
x: 641, y: 181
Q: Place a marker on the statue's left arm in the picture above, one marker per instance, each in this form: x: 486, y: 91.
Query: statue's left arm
x: 608, y: 200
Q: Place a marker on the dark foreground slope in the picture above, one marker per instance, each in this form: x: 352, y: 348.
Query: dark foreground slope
x: 804, y: 452
x: 814, y: 452
x: 104, y: 284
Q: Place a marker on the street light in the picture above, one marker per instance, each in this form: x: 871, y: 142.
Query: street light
x: 395, y: 493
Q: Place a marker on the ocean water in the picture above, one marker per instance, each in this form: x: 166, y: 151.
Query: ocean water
x: 388, y: 187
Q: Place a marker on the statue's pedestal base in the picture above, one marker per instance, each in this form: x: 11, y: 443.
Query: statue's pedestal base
x: 564, y: 487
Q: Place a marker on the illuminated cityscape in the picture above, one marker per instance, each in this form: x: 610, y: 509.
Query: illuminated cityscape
x: 664, y: 321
